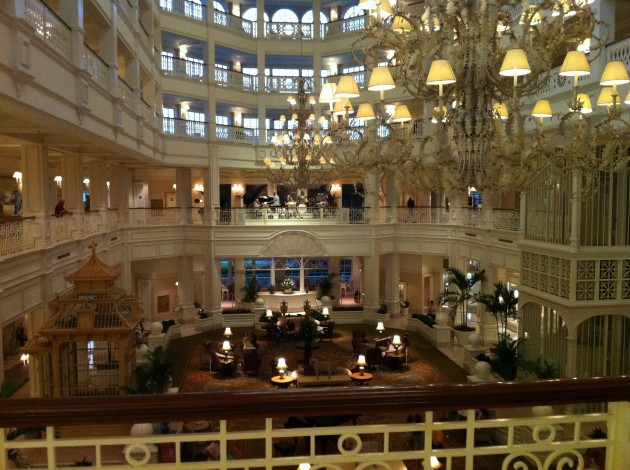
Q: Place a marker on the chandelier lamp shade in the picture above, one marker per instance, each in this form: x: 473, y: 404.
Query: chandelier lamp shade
x: 480, y: 70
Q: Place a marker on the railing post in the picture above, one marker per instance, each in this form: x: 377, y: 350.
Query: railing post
x: 618, y: 453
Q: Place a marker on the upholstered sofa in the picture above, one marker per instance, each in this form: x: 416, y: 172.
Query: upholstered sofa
x: 338, y: 376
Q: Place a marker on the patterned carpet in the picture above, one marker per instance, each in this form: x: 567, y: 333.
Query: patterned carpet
x: 425, y: 365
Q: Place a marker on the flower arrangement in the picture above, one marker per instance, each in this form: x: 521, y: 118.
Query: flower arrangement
x: 287, y: 283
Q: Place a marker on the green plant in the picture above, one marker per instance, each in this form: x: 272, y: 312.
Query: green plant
x: 506, y: 356
x: 250, y: 291
x: 458, y: 300
x: 543, y: 369
x: 15, y: 455
x: 325, y: 287
x: 598, y: 433
x: 154, y: 375
x: 502, y: 304
x: 307, y: 331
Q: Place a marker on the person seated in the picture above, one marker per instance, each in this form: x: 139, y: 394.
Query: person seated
x: 431, y: 309
x: 253, y: 340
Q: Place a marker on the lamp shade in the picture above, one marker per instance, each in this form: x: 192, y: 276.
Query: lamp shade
x: 575, y: 64
x: 341, y: 107
x: 500, y: 110
x: 325, y: 309
x: 605, y: 97
x: 615, y: 73
x: 365, y: 111
x: 381, y: 79
x: 384, y: 10
x: 401, y: 114
x: 380, y: 326
x: 226, y: 346
x: 361, y: 362
x: 587, y: 107
x: 282, y: 364
x: 396, y: 340
x: 440, y: 73
x: 542, y: 109
x: 515, y: 64
x: 400, y: 25
x: 268, y: 313
x: 347, y: 87
x: 327, y: 95
x: 627, y: 100
x: 227, y: 332
x: 368, y: 4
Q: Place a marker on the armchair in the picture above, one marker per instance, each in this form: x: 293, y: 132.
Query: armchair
x: 327, y: 332
x: 374, y: 357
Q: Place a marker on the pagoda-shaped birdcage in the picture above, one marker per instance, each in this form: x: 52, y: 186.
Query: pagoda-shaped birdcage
x: 88, y: 345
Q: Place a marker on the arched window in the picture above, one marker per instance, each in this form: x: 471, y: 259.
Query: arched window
x: 353, y: 12
x: 218, y: 6
x: 285, y: 15
x: 252, y: 15
x: 308, y: 17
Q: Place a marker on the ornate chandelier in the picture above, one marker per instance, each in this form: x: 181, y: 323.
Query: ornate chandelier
x: 477, y: 64
x: 300, y: 157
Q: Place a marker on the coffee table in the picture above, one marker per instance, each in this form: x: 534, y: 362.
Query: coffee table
x: 361, y: 378
x: 282, y: 381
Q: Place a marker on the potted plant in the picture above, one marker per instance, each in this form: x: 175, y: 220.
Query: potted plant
x: 250, y: 291
x: 287, y: 285
x: 502, y: 304
x: 153, y: 376
x: 458, y: 300
x: 506, y: 358
x: 307, y: 333
x: 325, y: 290
x: 404, y: 307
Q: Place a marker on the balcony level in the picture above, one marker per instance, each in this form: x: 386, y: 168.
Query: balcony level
x: 541, y: 424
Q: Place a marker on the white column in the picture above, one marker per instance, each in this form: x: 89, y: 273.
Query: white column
x: 239, y: 276
x: 72, y: 182
x: 371, y: 281
x: 301, y: 286
x: 185, y: 290
x: 97, y: 172
x: 184, y: 192
x: 35, y: 181
x: 392, y: 280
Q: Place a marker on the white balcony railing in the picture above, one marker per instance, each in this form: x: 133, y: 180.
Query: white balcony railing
x: 348, y: 25
x: 95, y: 67
x: 288, y: 30
x: 48, y: 26
x: 234, y: 79
x: 291, y: 216
x: 236, y: 134
x: 189, y: 8
x: 463, y: 426
x: 183, y: 68
x: 125, y: 93
x: 287, y: 85
x: 184, y: 128
x: 235, y: 23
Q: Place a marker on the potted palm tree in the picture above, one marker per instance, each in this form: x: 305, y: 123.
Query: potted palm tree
x: 502, y: 304
x: 325, y: 290
x: 458, y: 299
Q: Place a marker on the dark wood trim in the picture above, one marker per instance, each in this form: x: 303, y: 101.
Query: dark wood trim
x: 309, y: 402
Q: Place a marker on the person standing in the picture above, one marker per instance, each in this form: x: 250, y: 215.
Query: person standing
x: 411, y: 203
x: 17, y: 201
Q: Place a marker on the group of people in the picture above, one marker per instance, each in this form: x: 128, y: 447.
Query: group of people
x: 15, y: 199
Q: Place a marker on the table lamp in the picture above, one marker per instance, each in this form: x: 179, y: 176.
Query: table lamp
x: 226, y: 348
x: 325, y: 312
x: 282, y: 366
x: 396, y: 342
x: 227, y: 333
x: 361, y: 362
x: 269, y: 314
x: 380, y: 327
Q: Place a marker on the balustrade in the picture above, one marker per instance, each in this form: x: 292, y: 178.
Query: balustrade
x: 235, y: 23
x: 234, y: 79
x: 48, y: 26
x: 17, y: 236
x: 188, y: 8
x: 95, y: 67
x: 506, y: 219
x: 423, y: 215
x: 348, y: 25
x: 236, y: 134
x: 484, y: 426
x: 125, y: 93
x: 184, y: 68
x: 143, y: 217
x: 287, y: 85
x: 183, y: 127
x: 315, y: 215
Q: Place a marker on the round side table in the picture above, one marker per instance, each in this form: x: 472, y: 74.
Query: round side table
x: 361, y: 378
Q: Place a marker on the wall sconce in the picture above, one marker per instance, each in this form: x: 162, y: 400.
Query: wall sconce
x: 174, y: 185
x: 335, y: 190
x: 25, y: 358
x: 107, y: 183
x: 18, y: 176
x: 86, y: 182
x: 238, y: 190
x: 199, y: 188
x: 58, y: 179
